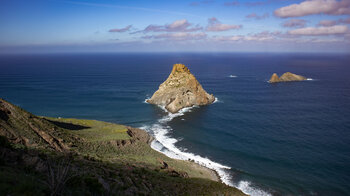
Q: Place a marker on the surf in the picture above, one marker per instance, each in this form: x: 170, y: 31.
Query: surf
x: 165, y: 144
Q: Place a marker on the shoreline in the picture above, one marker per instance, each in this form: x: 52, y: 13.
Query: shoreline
x: 214, y: 175
x: 117, y: 156
x: 159, y: 132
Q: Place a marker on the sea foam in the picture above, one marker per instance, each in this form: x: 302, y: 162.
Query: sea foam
x: 145, y: 101
x: 217, y: 100
x: 247, y: 188
x: 166, y: 144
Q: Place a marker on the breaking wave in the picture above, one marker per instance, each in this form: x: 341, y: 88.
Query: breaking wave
x: 217, y: 100
x: 166, y: 144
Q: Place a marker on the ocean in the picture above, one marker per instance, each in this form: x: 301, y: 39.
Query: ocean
x: 266, y: 139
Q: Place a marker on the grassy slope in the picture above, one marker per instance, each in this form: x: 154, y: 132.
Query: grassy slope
x: 95, y: 144
x: 95, y: 164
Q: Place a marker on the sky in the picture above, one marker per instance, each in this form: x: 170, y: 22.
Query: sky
x: 44, y: 26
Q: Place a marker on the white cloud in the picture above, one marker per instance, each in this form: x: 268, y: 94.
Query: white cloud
x: 332, y: 30
x: 262, y: 36
x: 216, y: 25
x: 121, y: 30
x: 310, y: 7
x: 257, y: 17
x: 180, y: 36
x: 327, y: 23
x: 294, y: 23
x: 176, y: 26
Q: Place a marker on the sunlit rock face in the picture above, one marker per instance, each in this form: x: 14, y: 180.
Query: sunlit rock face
x: 286, y: 77
x: 181, y: 89
x: 274, y: 78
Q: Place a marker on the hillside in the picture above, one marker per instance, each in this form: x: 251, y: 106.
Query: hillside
x: 55, y: 156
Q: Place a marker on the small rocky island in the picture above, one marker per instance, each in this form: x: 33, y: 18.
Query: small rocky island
x: 180, y: 90
x: 286, y: 77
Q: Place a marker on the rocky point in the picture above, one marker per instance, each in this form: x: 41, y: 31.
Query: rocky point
x: 180, y: 90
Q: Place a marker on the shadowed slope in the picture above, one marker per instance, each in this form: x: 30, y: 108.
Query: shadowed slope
x: 91, y: 158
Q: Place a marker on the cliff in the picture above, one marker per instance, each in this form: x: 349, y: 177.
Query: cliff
x: 180, y: 90
x: 286, y: 77
x: 62, y: 156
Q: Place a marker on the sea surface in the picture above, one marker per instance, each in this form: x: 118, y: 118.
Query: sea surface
x: 265, y: 139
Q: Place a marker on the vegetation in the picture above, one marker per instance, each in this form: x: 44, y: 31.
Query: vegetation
x: 97, y: 142
x: 55, y: 156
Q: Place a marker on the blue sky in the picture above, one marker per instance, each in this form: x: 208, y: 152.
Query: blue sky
x: 176, y: 26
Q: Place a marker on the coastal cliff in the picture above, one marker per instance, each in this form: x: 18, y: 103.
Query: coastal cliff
x: 63, y: 156
x: 286, y: 77
x: 180, y: 90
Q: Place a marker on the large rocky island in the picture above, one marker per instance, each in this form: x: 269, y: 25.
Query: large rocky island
x: 61, y: 156
x: 180, y: 90
x: 286, y: 77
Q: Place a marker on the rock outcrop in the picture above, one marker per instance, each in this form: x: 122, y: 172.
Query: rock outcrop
x: 181, y: 89
x: 286, y: 77
x: 274, y: 78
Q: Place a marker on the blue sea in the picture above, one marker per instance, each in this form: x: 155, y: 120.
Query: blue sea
x: 266, y: 139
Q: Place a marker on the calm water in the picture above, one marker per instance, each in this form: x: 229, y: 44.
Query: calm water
x: 287, y: 138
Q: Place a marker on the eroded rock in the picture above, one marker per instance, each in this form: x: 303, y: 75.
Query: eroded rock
x: 180, y: 90
x: 286, y: 77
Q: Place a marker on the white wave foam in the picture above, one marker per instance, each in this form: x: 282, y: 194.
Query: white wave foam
x: 247, y: 188
x: 309, y: 79
x: 171, y: 116
x: 166, y: 145
x: 217, y: 100
x: 232, y: 76
x: 145, y: 101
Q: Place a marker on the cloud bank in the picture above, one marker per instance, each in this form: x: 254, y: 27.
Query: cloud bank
x: 260, y: 37
x: 215, y: 25
x: 292, y: 23
x: 257, y: 17
x: 180, y: 36
x: 328, y: 23
x: 311, y: 31
x: 176, y: 26
x: 310, y: 7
